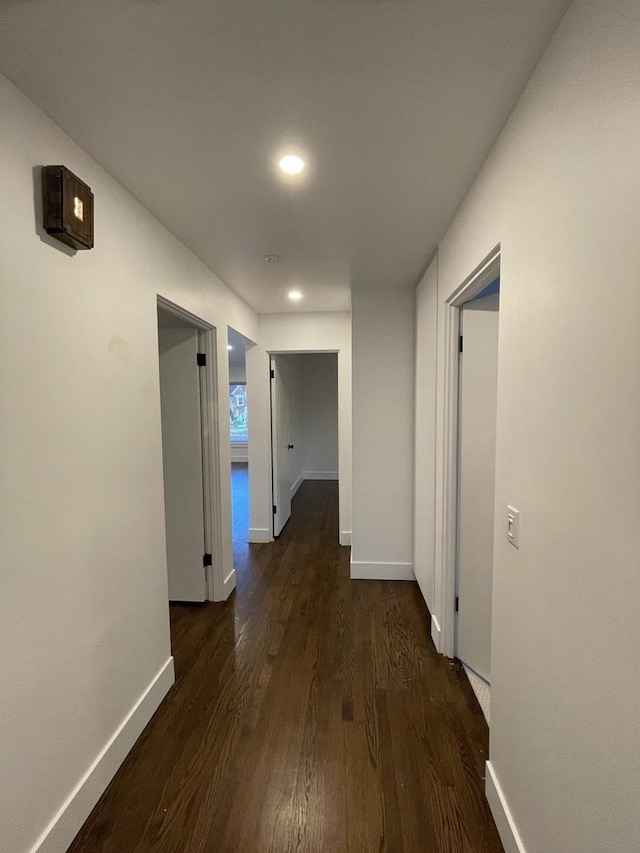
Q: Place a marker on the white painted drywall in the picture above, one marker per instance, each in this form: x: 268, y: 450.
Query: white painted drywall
x: 237, y: 374
x: 383, y: 430
x: 426, y: 322
x: 319, y: 393
x: 295, y: 333
x: 84, y: 625
x: 561, y: 193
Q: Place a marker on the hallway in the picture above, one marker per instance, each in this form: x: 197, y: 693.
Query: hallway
x: 310, y: 713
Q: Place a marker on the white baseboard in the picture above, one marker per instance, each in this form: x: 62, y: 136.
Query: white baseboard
x: 260, y: 534
x: 57, y: 837
x: 436, y: 634
x: 294, y: 488
x: 345, y: 537
x: 382, y: 571
x: 321, y: 475
x: 505, y: 823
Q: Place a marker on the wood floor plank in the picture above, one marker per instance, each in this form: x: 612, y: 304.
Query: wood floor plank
x: 310, y: 713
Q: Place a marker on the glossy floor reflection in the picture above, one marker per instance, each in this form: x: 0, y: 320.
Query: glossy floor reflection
x: 240, y: 511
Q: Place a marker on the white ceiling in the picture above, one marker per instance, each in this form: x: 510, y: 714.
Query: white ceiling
x: 394, y: 104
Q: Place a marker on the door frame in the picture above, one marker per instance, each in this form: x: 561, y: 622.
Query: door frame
x: 270, y: 353
x: 211, y: 487
x: 446, y: 526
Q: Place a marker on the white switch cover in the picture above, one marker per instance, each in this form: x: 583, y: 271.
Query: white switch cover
x: 513, y: 526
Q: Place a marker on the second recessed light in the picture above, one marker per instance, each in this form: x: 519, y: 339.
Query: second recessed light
x: 295, y: 295
x: 291, y: 164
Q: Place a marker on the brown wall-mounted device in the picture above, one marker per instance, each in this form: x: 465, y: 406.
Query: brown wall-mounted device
x: 67, y: 207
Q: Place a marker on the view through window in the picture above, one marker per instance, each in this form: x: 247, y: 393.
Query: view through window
x: 238, y: 412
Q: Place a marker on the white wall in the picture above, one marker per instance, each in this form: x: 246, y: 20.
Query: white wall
x: 426, y: 320
x: 561, y: 193
x: 237, y: 374
x: 383, y: 414
x: 296, y: 333
x: 319, y: 394
x: 83, y: 589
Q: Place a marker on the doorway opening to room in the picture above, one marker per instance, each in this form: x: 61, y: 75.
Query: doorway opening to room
x: 190, y: 455
x: 304, y: 428
x: 477, y: 408
x: 465, y: 473
x: 239, y: 403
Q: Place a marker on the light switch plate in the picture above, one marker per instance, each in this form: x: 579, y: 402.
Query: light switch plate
x: 513, y: 526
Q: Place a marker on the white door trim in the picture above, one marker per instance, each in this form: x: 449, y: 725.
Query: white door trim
x: 218, y: 586
x: 447, y: 454
x: 334, y: 475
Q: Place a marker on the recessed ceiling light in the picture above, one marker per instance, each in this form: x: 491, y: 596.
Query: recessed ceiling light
x: 291, y: 164
x: 229, y: 346
x: 274, y: 259
x: 295, y: 295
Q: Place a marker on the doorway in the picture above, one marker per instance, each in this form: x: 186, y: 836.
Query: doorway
x: 447, y: 596
x: 304, y: 426
x: 239, y: 403
x: 190, y: 452
x: 182, y: 459
x: 477, y: 406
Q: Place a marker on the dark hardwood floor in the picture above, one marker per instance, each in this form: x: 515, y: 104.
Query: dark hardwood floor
x: 310, y: 713
x: 240, y: 513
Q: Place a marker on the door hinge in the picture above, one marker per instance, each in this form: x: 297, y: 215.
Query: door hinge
x: 272, y: 374
x: 457, y: 603
x: 207, y: 560
x: 275, y: 509
x: 201, y: 359
x: 460, y: 344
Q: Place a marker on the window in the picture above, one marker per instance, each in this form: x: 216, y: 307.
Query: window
x: 238, y: 412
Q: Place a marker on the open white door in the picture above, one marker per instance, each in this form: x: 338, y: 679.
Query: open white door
x: 182, y: 460
x: 280, y: 443
x: 478, y: 401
